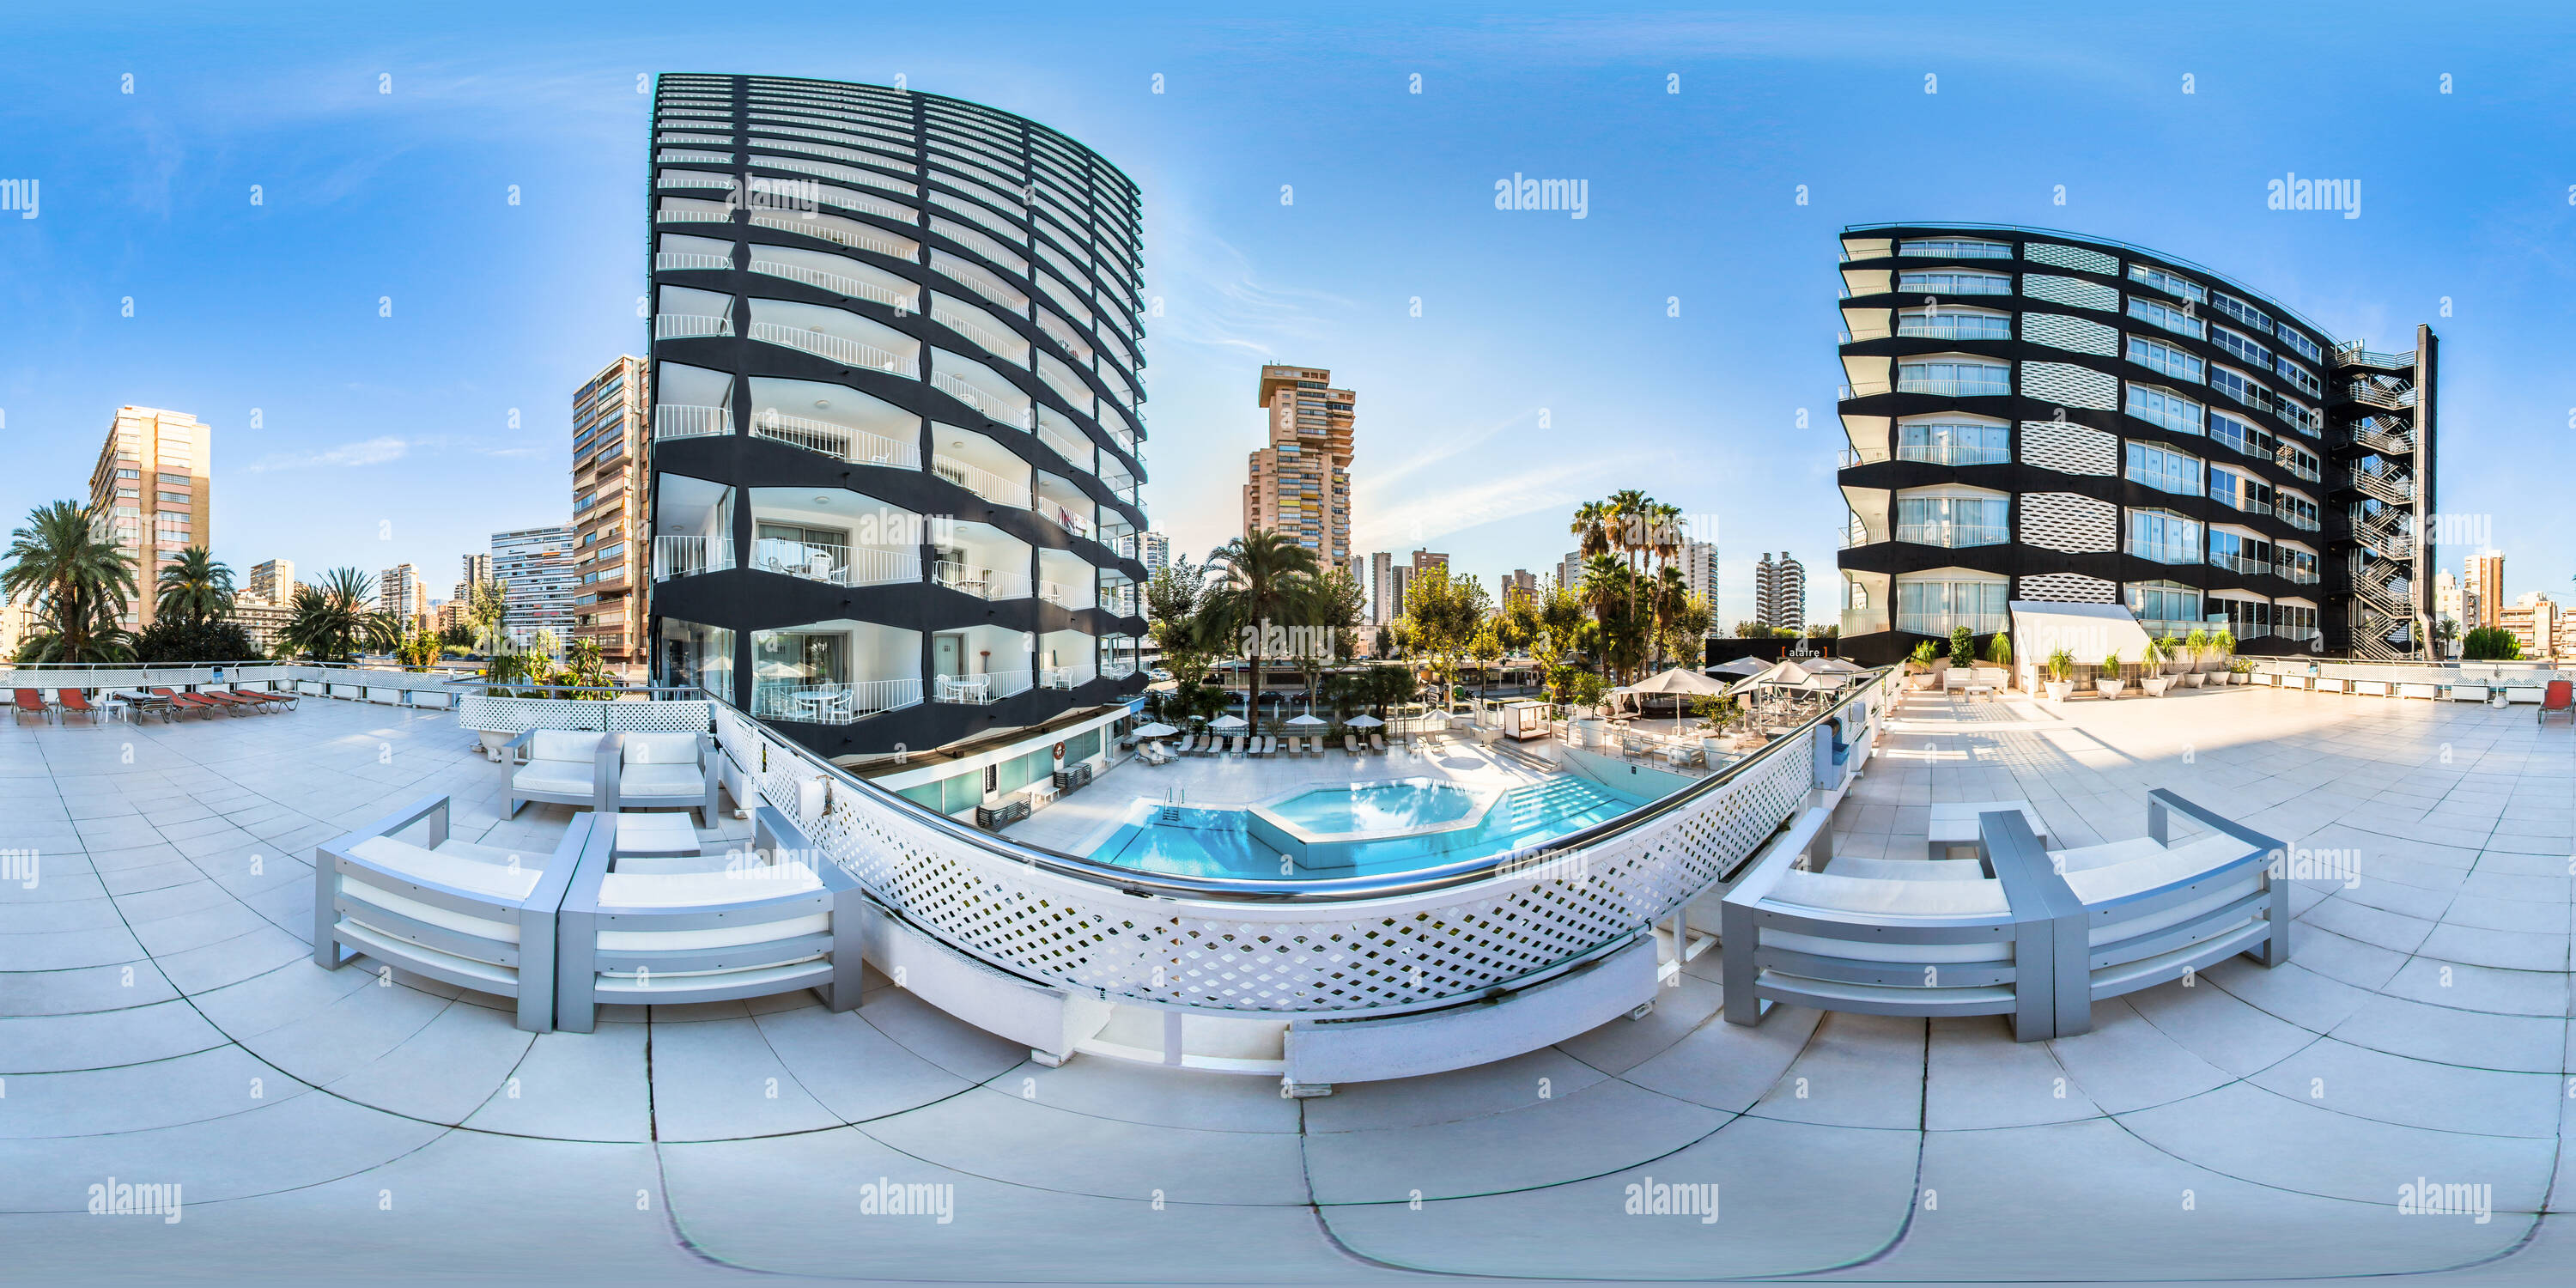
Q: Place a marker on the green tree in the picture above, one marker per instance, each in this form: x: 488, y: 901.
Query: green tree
x: 76, y: 579
x: 1441, y: 616
x: 193, y: 589
x: 2490, y: 644
x: 487, y: 606
x: 332, y: 622
x: 1269, y: 582
x: 174, y: 640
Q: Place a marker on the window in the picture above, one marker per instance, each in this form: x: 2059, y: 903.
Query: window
x: 1953, y: 443
x: 2243, y: 347
x: 2299, y: 416
x: 2234, y: 384
x: 2304, y: 379
x: 129, y: 474
x: 2164, y: 469
x: 2239, y: 491
x: 2298, y: 510
x: 1954, y: 282
x: 1933, y: 605
x: 1954, y: 324
x: 2168, y: 317
x: 2164, y: 537
x: 2301, y: 345
x: 2165, y: 358
x: 2299, y: 461
x: 2161, y: 407
x: 2298, y: 565
x: 1957, y: 249
x: 2240, y: 554
x: 1962, y: 379
x: 2161, y: 605
x: 2242, y: 312
x: 2167, y: 283
x: 174, y: 498
x: 2240, y: 434
x: 1954, y: 520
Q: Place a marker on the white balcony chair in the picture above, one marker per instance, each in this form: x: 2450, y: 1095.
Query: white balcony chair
x: 563, y: 767
x: 663, y: 771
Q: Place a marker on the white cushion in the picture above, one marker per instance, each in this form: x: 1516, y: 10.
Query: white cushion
x: 756, y: 932
x: 2085, y: 858
x: 556, y: 777
x: 1824, y: 890
x: 657, y: 780
x: 2160, y: 867
x: 445, y: 867
x: 564, y: 744
x: 661, y: 749
x: 1907, y: 869
x: 704, y: 889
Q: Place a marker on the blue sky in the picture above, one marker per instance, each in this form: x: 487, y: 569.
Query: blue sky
x: 388, y: 439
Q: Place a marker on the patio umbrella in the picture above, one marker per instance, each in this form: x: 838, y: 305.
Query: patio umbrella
x: 1831, y: 666
x: 1781, y: 674
x: 1306, y: 721
x: 1226, y: 722
x: 1741, y: 666
x: 1156, y: 730
x: 1364, y: 722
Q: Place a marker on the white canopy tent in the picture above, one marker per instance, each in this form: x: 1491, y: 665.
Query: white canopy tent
x: 1678, y: 682
x: 1783, y: 674
x: 2089, y: 631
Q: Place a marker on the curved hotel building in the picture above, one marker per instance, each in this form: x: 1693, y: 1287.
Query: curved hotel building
x: 896, y: 425
x: 2038, y: 416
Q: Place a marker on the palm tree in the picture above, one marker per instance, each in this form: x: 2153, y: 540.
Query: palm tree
x: 1631, y: 511
x: 78, y: 581
x: 1267, y: 576
x: 332, y: 622
x: 1592, y: 528
x: 194, y: 589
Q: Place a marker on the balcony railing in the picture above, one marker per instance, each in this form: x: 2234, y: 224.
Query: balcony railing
x: 819, y: 701
x: 690, y: 326
x: 2303, y: 522
x: 689, y: 556
x: 857, y: 446
x: 670, y: 214
x: 1055, y: 677
x: 2292, y: 632
x: 2163, y: 554
x: 2245, y: 564
x: 1865, y: 389
x: 988, y: 402
x: 2241, y: 504
x: 1951, y: 387
x: 2305, y: 576
x: 1941, y: 454
x: 675, y: 420
x: 840, y: 349
x: 1055, y: 513
x: 994, y: 342
x: 1058, y: 594
x: 983, y: 583
x: 831, y: 232
x: 2370, y: 394
x: 1951, y: 326
x: 1944, y: 623
x: 1946, y: 533
x: 982, y: 482
x: 835, y: 564
x: 837, y: 283
x: 672, y: 261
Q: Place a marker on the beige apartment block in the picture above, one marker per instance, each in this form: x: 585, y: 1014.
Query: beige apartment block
x: 1300, y: 485
x: 610, y: 443
x: 150, y: 489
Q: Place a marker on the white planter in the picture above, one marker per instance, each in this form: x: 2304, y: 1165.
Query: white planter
x: 2154, y: 684
x: 492, y: 743
x: 2058, y: 689
x: 2191, y: 679
x: 2109, y: 688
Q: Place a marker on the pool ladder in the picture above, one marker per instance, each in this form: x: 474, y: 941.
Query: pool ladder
x: 1173, y: 799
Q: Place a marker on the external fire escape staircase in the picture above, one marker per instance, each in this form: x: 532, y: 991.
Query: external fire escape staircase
x: 2385, y: 504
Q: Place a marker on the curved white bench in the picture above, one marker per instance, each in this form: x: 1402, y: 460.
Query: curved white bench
x: 2041, y: 940
x: 472, y: 915
x: 674, y: 929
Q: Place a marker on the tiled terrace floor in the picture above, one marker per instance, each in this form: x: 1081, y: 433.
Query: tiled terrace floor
x: 160, y: 1021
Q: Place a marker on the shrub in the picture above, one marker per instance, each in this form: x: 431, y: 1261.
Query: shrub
x: 1963, y: 647
x: 2490, y: 644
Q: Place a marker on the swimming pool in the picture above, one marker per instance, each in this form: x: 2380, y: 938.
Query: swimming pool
x: 1191, y: 841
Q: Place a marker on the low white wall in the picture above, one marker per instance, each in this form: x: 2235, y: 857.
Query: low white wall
x: 1407, y: 1046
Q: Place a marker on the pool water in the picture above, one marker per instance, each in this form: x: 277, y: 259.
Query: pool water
x: 1214, y: 842
x: 1377, y: 807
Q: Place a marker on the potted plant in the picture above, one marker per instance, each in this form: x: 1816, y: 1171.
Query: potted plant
x: 2106, y: 681
x: 2171, y: 649
x: 1923, y: 667
x: 1999, y: 651
x: 2061, y: 674
x: 1963, y: 649
x: 2240, y: 670
x: 2151, y: 674
x: 2222, y: 647
x: 2196, y: 645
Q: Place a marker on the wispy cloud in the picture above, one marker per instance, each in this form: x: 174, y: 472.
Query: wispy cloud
x: 372, y: 451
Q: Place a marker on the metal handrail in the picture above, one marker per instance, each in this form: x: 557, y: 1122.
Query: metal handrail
x: 1252, y: 890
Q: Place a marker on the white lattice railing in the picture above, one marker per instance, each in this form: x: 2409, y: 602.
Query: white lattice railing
x: 483, y: 713
x: 1283, y: 947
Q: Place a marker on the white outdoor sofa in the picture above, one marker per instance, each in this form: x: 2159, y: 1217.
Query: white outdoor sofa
x: 472, y: 915
x: 2035, y: 935
x: 563, y: 767
x: 664, y: 771
x: 709, y: 927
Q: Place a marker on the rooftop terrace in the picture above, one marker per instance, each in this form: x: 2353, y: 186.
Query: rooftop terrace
x: 161, y: 1021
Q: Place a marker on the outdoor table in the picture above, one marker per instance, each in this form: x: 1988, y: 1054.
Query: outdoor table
x: 1955, y: 823
x: 142, y: 704
x: 655, y: 836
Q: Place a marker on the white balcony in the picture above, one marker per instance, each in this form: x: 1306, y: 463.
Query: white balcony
x: 840, y: 349
x: 983, y: 583
x: 838, y: 283
x: 857, y: 446
x: 1012, y: 408
x: 1055, y: 677
x: 834, y: 564
x: 684, y: 556
x: 829, y: 701
x: 676, y: 260
x: 671, y: 420
x: 690, y: 326
x: 982, y: 482
x: 838, y: 231
x: 997, y: 342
